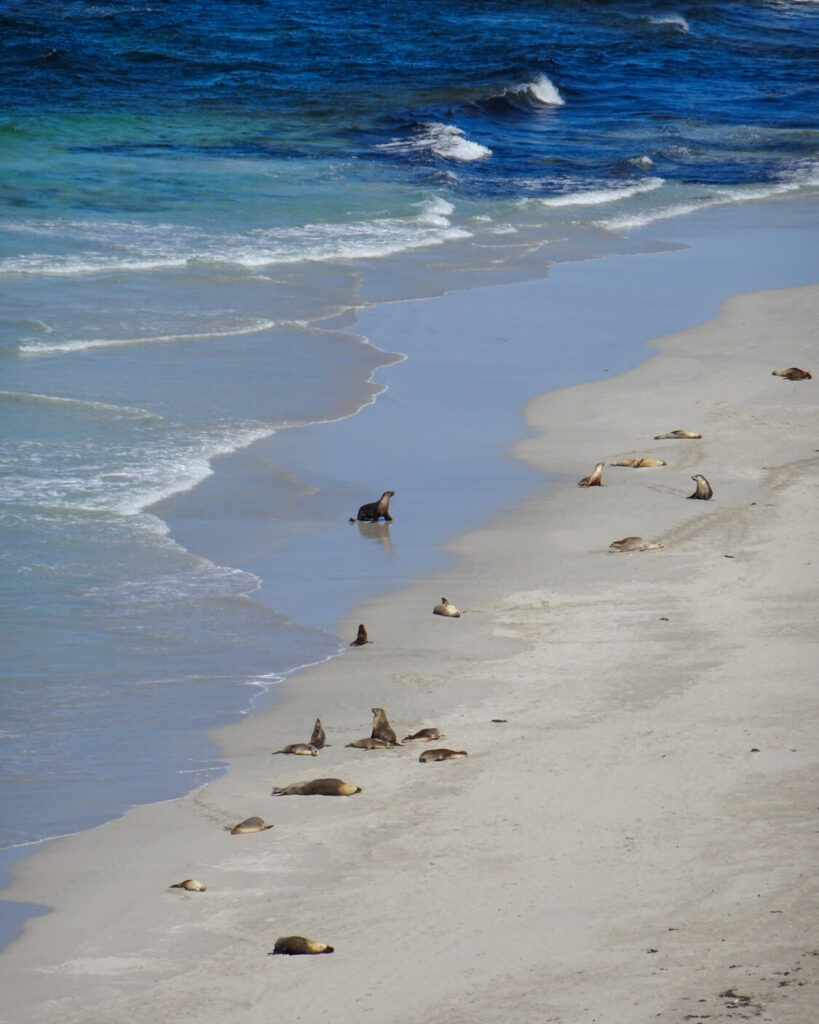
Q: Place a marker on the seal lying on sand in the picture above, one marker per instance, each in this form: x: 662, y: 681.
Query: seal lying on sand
x: 318, y: 739
x: 441, y: 754
x: 375, y: 510
x: 639, y: 463
x: 793, y: 373
x: 634, y: 544
x: 191, y: 885
x: 382, y: 730
x: 703, y: 490
x: 372, y: 743
x: 446, y: 608
x: 594, y: 479
x: 298, y: 748
x: 253, y: 824
x: 677, y: 435
x: 423, y: 734
x: 318, y: 787
x: 296, y: 945
x: 361, y: 638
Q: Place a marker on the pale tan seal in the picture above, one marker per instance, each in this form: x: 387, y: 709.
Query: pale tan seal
x: 634, y: 544
x: 423, y: 734
x: 441, y: 754
x: 446, y: 608
x: 793, y: 373
x: 594, y: 479
x: 375, y: 510
x: 253, y: 824
x: 297, y: 945
x: 678, y: 435
x: 372, y: 743
x: 318, y: 787
x: 382, y: 730
x: 704, y: 490
x: 191, y: 884
x: 642, y: 463
x: 361, y: 638
x: 298, y: 748
x: 318, y: 739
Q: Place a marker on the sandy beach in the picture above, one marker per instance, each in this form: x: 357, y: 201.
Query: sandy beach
x: 631, y: 837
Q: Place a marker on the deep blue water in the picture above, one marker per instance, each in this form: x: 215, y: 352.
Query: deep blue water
x: 193, y: 197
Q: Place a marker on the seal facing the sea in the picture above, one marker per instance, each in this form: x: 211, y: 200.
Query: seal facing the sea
x: 594, y: 479
x: 375, y: 510
x: 253, y: 824
x: 318, y: 787
x: 297, y: 945
x: 441, y: 754
x: 446, y: 608
x: 382, y: 730
x: 361, y: 637
x: 704, y: 490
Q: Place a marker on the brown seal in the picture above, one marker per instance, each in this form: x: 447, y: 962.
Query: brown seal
x: 793, y: 373
x: 642, y: 463
x: 361, y: 638
x: 441, y: 754
x: 382, y: 730
x: 423, y: 734
x: 446, y: 608
x: 677, y: 435
x: 297, y: 945
x: 191, y: 885
x: 318, y: 739
x: 634, y: 544
x: 375, y: 510
x: 253, y: 824
x: 594, y: 479
x: 372, y: 743
x: 298, y: 748
x: 318, y: 787
x: 704, y: 490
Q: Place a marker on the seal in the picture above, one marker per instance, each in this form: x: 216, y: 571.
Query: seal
x: 642, y: 463
x: 382, y: 730
x: 361, y: 638
x: 594, y: 479
x: 423, y: 734
x: 441, y: 754
x: 793, y: 373
x: 253, y: 824
x: 318, y: 787
x: 318, y: 739
x: 297, y: 945
x: 677, y: 435
x: 634, y: 544
x: 375, y: 510
x: 704, y: 490
x: 446, y: 608
x: 372, y: 743
x: 298, y: 748
x: 191, y: 885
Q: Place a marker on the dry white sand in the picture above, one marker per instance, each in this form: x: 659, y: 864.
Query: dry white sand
x: 632, y: 843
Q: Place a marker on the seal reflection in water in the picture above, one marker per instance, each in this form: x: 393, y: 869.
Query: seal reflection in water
x: 298, y: 748
x: 594, y: 479
x: 318, y: 787
x: 704, y: 490
x: 441, y: 754
x: 375, y: 510
x: 446, y: 608
x: 297, y: 945
x: 191, y: 884
x: 361, y: 638
x: 382, y: 730
x: 423, y: 734
x: 253, y: 824
x: 634, y: 544
x: 793, y: 373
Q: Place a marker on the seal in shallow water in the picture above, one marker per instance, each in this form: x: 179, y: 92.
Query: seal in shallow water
x: 191, y: 885
x: 375, y: 510
x: 318, y: 739
x: 361, y: 638
x: 446, y: 608
x: 423, y: 734
x: 677, y: 435
x: 318, y: 787
x: 298, y: 748
x: 704, y: 490
x: 382, y: 730
x: 296, y: 945
x: 253, y: 824
x: 441, y: 754
x: 634, y: 544
x: 594, y: 479
x: 793, y: 373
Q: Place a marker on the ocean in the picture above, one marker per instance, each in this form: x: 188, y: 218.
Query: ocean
x: 204, y: 206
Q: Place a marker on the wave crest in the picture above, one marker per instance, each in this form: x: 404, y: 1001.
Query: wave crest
x: 443, y: 140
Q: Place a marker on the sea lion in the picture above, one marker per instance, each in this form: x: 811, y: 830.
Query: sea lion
x: 361, y: 638
x: 423, y: 734
x: 793, y: 373
x: 441, y: 754
x: 318, y: 787
x: 594, y: 479
x: 642, y: 463
x: 191, y: 885
x: 634, y: 544
x: 298, y: 748
x: 296, y: 945
x: 704, y: 490
x: 372, y: 743
x: 446, y: 608
x: 375, y: 510
x: 253, y: 824
x: 677, y: 435
x: 382, y: 730
x: 318, y: 739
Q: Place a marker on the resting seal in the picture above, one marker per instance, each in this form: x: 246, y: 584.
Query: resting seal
x: 318, y: 739
x: 704, y: 490
x: 295, y: 945
x: 361, y: 639
x: 423, y: 734
x: 382, y: 730
x: 634, y: 544
x: 793, y: 373
x: 639, y: 463
x: 318, y: 787
x: 375, y: 510
x: 253, y: 824
x: 446, y: 608
x: 191, y: 885
x: 441, y: 754
x: 372, y: 743
x: 594, y: 479
x: 677, y: 435
x: 298, y: 748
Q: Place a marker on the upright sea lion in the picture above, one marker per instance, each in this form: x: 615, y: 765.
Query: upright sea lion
x: 361, y: 638
x: 372, y: 743
x: 594, y: 479
x: 318, y: 739
x: 375, y: 510
x: 642, y: 463
x: 318, y: 787
x: 191, y: 885
x: 382, y: 730
x: 793, y: 373
x: 703, y: 490
x: 298, y: 748
x: 253, y: 824
x: 677, y: 435
x: 296, y: 945
x: 446, y: 608
x: 441, y: 754
x: 423, y: 734
x: 634, y: 544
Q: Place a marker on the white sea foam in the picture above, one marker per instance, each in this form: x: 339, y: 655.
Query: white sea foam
x: 598, y: 197
x: 444, y: 140
x: 540, y: 90
x: 672, y: 20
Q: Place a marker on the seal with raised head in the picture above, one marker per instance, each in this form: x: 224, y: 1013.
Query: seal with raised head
x: 423, y: 734
x: 318, y: 787
x: 318, y: 739
x: 298, y: 748
x: 634, y: 544
x: 678, y: 435
x: 441, y: 754
x: 191, y: 884
x: 372, y: 743
x: 297, y: 945
x: 382, y: 730
x: 253, y: 824
x: 793, y: 373
x: 704, y: 489
x: 594, y: 479
x: 361, y: 637
x: 375, y: 510
x: 446, y: 608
